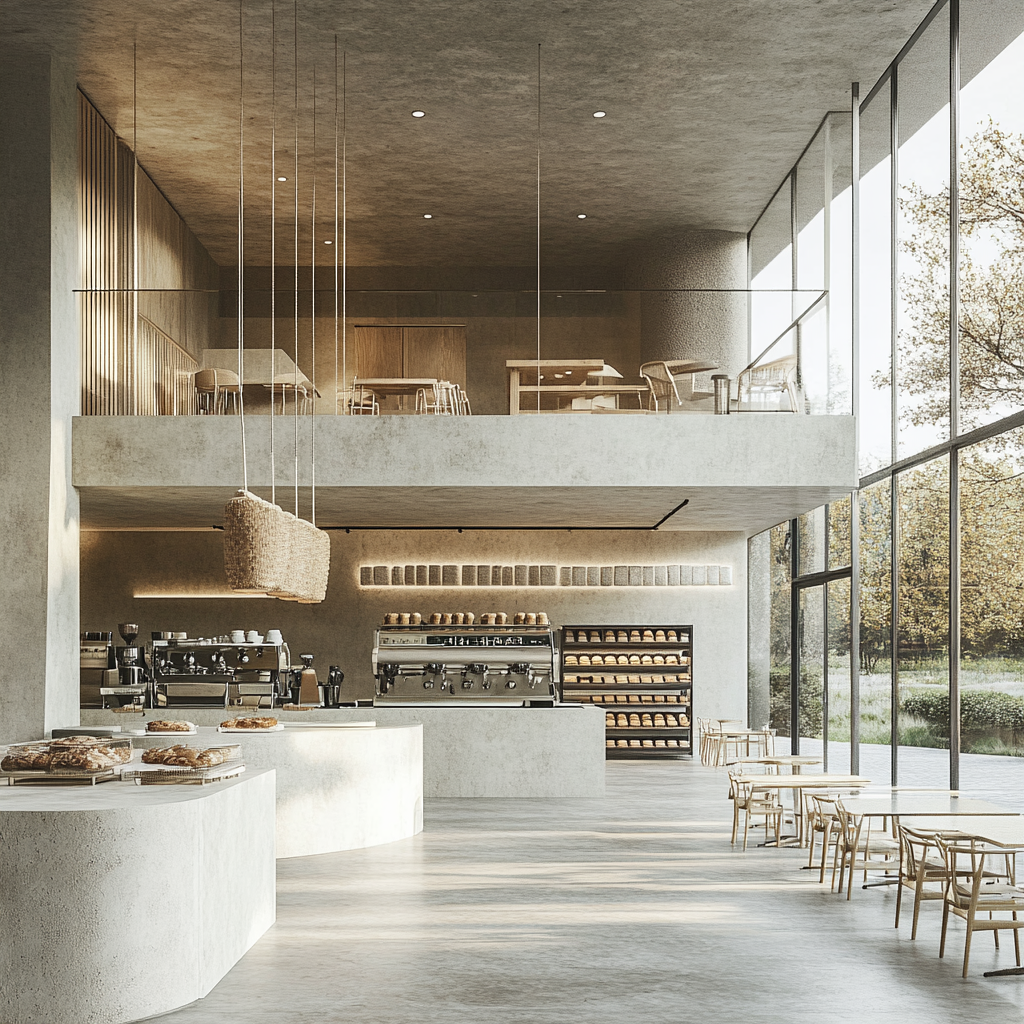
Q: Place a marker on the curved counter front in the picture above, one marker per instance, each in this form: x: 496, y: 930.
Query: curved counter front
x: 119, y: 902
x: 339, y: 787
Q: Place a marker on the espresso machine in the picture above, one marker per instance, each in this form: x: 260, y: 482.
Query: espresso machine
x: 132, y: 675
x: 465, y: 664
x: 97, y: 667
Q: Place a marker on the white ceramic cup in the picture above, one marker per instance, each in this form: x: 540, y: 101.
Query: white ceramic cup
x: 274, y: 636
x: 237, y: 636
x: 251, y: 636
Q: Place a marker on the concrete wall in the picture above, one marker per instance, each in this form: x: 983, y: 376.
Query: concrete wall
x: 39, y: 375
x: 340, y: 631
x: 709, y: 325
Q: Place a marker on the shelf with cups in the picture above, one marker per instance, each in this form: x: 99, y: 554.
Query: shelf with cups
x: 642, y: 676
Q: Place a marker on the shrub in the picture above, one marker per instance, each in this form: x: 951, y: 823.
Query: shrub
x: 979, y: 709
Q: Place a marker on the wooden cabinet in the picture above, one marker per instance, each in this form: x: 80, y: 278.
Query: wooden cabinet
x: 642, y: 677
x: 438, y: 352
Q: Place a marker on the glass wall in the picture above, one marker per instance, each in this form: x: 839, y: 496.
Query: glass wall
x: 940, y: 429
x: 802, y: 242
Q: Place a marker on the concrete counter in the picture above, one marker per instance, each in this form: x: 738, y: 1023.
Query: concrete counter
x: 341, y: 788
x: 467, y: 751
x: 119, y: 902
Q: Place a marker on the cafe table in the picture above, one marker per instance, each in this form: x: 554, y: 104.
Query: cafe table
x: 798, y: 785
x: 946, y: 809
x: 794, y: 761
x: 740, y: 734
x: 400, y: 387
x: 565, y: 379
x: 257, y: 366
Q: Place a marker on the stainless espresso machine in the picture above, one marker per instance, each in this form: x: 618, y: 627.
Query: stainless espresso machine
x: 218, y: 673
x: 132, y: 685
x: 465, y: 664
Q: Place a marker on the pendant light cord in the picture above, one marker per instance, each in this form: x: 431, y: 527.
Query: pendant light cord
x: 335, y: 225
x: 273, y: 237
x: 295, y: 364
x: 538, y: 227
x: 344, y: 221
x: 241, y: 241
x: 312, y: 269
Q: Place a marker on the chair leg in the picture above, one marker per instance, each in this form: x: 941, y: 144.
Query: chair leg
x: 945, y: 922
x: 825, y: 837
x: 918, y: 890
x: 1016, y: 940
x: 967, y: 945
x: 746, y: 825
x: 899, y: 901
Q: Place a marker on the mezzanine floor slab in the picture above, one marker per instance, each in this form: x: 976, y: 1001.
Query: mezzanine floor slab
x: 624, y: 909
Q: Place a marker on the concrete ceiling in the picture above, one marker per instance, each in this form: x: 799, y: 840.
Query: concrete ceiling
x: 708, y: 106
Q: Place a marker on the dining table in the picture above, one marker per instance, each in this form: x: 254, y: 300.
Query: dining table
x: 795, y: 762
x: 798, y: 785
x: 258, y: 368
x: 398, y: 387
x: 564, y: 379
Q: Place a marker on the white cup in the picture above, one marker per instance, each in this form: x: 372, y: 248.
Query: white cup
x: 251, y: 636
x: 237, y: 636
x: 274, y: 636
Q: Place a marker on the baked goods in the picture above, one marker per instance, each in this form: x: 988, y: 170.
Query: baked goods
x: 85, y: 759
x: 35, y: 758
x: 185, y: 757
x: 265, y: 722
x: 167, y: 725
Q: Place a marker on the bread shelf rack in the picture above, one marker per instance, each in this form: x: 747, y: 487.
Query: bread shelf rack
x: 638, y: 670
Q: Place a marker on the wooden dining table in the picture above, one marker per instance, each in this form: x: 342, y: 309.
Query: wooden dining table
x: 800, y: 784
x: 563, y: 378
x: 795, y: 762
x: 258, y: 368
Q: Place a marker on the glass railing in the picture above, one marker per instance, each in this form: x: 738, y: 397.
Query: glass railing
x: 432, y: 352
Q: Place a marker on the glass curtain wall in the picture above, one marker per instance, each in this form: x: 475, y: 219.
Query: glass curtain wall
x: 940, y: 406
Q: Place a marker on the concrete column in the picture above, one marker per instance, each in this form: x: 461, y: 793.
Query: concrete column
x: 708, y: 324
x: 39, y: 384
x: 759, y: 626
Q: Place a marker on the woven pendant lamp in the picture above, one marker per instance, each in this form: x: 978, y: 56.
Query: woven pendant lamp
x: 257, y: 545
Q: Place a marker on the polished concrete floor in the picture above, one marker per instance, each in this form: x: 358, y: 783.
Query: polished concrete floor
x: 631, y: 908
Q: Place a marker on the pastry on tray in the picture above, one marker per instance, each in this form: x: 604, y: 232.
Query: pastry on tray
x: 86, y: 759
x: 27, y: 759
x: 167, y: 725
x: 185, y: 757
x: 265, y: 722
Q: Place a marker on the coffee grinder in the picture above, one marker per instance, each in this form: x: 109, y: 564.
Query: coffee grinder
x: 131, y: 660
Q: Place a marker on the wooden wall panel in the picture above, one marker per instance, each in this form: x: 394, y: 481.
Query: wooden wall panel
x: 136, y: 344
x: 375, y: 352
x: 438, y: 352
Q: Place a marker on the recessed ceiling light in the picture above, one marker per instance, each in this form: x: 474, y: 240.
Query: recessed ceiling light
x: 328, y: 241
x: 599, y: 113
x: 281, y: 177
x: 581, y: 216
x: 428, y: 216
x: 419, y: 113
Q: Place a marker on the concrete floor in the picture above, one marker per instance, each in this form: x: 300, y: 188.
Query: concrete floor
x: 628, y: 908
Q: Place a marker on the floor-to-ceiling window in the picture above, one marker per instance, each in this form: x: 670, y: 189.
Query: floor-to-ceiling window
x: 939, y: 673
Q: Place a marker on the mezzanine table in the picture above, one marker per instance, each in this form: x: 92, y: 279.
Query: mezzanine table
x: 794, y: 761
x: 566, y: 378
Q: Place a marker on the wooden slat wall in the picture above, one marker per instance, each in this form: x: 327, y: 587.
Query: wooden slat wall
x: 138, y: 348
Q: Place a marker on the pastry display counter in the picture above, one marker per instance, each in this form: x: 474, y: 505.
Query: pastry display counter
x: 121, y: 902
x: 467, y: 751
x: 342, y: 787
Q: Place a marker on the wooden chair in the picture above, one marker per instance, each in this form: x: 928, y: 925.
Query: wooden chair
x: 753, y: 805
x: 860, y: 849
x: 359, y: 402
x: 969, y: 890
x: 821, y: 818
x: 214, y: 387
x: 921, y: 863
